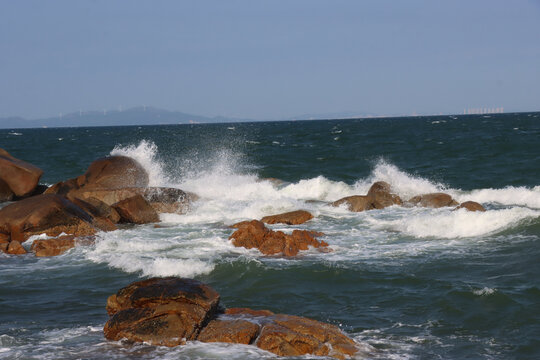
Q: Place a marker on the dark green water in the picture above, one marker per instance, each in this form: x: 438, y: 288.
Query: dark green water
x: 406, y: 283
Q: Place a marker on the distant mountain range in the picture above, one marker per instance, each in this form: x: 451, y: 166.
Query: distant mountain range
x: 134, y: 116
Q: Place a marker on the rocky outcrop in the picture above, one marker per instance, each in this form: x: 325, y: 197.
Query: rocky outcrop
x: 136, y: 210
x: 113, y: 172
x: 12, y: 248
x: 254, y: 234
x: 471, y: 206
x: 160, y: 311
x: 290, y: 218
x: 433, y: 200
x: 53, y: 247
x: 48, y: 214
x: 355, y: 203
x: 97, y: 208
x: 169, y: 311
x: 379, y: 196
x: 20, y: 177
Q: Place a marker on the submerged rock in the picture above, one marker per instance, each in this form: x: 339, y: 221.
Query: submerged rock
x: 433, y: 200
x: 254, y: 234
x: 171, y: 311
x: 471, y: 206
x: 290, y: 218
x: 20, y: 177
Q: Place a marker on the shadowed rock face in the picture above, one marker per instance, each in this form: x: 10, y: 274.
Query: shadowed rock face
x: 254, y: 234
x: 290, y: 218
x: 5, y: 192
x: 169, y: 311
x: 471, y: 206
x: 19, y: 176
x: 160, y: 311
x: 433, y: 200
x: 49, y: 214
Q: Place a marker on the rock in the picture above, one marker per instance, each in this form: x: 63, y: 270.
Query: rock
x: 290, y: 218
x: 289, y: 335
x: 254, y: 234
x: 230, y: 331
x: 160, y: 311
x: 97, y: 208
x: 136, y: 210
x: 15, y: 248
x: 5, y: 192
x: 21, y: 177
x: 53, y: 247
x: 433, y: 200
x: 49, y: 214
x: 381, y: 197
x: 356, y: 203
x: 113, y: 172
x: 248, y: 311
x: 471, y: 206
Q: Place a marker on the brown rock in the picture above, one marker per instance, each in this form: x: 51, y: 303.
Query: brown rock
x: 290, y: 218
x: 254, y: 234
x: 136, y: 210
x: 21, y: 177
x: 49, y: 214
x: 433, y: 200
x: 160, y: 311
x: 15, y: 248
x: 97, y: 208
x: 356, y: 203
x: 53, y: 247
x: 471, y: 206
x: 248, y: 311
x: 290, y: 335
x: 381, y: 196
x: 229, y: 331
x: 5, y: 192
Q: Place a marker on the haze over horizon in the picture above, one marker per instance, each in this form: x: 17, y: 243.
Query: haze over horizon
x: 269, y: 60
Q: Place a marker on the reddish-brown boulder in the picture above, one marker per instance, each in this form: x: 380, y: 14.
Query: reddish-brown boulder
x: 97, y: 208
x: 136, y: 210
x: 230, y: 331
x: 356, y: 203
x: 53, y: 247
x: 15, y: 248
x: 49, y: 214
x: 289, y: 335
x: 381, y: 196
x: 254, y: 234
x: 290, y: 218
x: 433, y: 200
x: 21, y: 177
x: 471, y: 206
x: 160, y: 311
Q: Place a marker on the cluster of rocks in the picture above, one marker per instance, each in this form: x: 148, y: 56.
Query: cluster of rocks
x: 380, y: 196
x: 170, y: 311
x: 114, y: 190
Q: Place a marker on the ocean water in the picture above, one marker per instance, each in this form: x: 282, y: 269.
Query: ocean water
x: 406, y: 283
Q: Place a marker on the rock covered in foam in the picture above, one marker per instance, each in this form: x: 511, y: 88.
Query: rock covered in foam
x: 433, y: 200
x: 17, y: 176
x: 171, y: 311
x: 471, y: 206
x: 290, y: 218
x: 254, y: 234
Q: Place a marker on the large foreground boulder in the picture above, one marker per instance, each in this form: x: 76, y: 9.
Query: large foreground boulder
x: 113, y: 172
x: 45, y: 214
x: 290, y: 218
x: 433, y: 200
x: 253, y: 234
x: 20, y: 177
x: 171, y: 311
x: 160, y: 311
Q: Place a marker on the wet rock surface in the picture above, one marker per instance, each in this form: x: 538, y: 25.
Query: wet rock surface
x: 471, y: 206
x: 290, y: 218
x: 433, y: 200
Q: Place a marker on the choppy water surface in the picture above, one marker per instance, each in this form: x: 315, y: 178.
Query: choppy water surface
x: 407, y: 283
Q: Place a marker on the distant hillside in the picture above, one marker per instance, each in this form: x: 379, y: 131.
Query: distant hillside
x: 134, y: 116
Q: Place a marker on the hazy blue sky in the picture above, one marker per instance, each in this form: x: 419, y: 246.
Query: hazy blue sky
x: 269, y: 59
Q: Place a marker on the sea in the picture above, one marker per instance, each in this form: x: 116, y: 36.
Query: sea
x: 405, y: 283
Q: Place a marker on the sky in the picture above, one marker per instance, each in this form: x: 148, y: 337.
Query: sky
x: 257, y: 59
